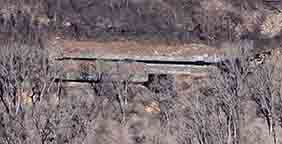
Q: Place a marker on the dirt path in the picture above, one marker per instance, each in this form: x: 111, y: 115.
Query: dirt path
x: 133, y: 48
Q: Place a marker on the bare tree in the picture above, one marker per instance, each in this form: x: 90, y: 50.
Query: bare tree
x: 229, y: 86
x: 247, y: 76
x: 27, y: 76
x: 23, y: 68
x: 265, y: 89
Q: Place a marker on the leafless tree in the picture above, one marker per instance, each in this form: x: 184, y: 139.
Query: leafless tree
x: 242, y: 78
x: 265, y: 88
x: 23, y: 68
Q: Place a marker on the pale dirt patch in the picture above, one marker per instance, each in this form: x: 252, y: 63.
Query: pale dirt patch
x: 272, y: 25
x: 153, y: 107
x: 217, y: 6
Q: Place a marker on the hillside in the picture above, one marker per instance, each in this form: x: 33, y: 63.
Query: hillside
x: 140, y: 72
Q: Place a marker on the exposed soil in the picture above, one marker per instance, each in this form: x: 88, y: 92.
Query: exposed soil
x: 75, y: 48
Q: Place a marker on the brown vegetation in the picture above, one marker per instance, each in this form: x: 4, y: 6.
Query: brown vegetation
x: 238, y: 103
x: 215, y: 110
x: 183, y: 20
